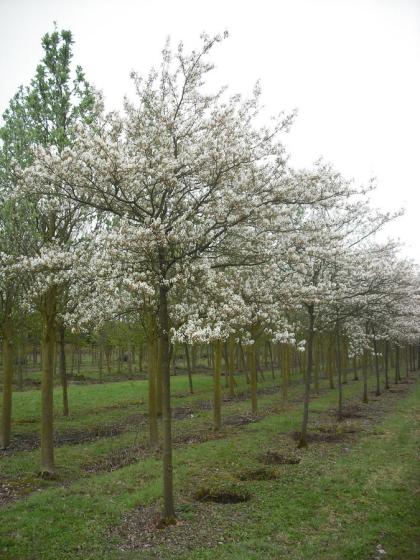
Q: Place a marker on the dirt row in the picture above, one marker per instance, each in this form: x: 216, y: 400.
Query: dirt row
x: 324, y: 430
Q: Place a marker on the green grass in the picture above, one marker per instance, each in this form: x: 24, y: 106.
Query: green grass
x: 339, y: 502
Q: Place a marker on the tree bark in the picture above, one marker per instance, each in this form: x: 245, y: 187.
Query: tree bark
x: 378, y: 381
x: 168, y: 495
x: 397, y: 364
x: 364, y: 374
x: 309, y: 361
x: 63, y: 372
x: 217, y: 396
x: 47, y: 383
x: 6, y: 423
x: 252, y: 366
x: 330, y: 370
x: 339, y: 372
x: 152, y: 367
x: 285, y: 372
x: 231, y: 348
x: 187, y: 356
x: 316, y: 367
x: 270, y: 353
x: 386, y: 364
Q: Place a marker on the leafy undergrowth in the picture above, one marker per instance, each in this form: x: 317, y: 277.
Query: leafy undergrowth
x: 347, y: 498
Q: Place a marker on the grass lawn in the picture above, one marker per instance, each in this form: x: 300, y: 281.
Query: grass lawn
x: 352, y: 494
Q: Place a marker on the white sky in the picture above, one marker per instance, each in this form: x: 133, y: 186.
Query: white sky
x: 351, y: 67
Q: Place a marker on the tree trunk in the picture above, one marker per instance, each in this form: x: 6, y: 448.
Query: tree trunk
x: 355, y: 374
x: 252, y: 367
x: 187, y: 356
x: 6, y: 423
x: 339, y: 372
x: 285, y: 372
x: 270, y: 353
x: 386, y: 364
x: 21, y: 359
x: 397, y: 364
x: 231, y: 349
x: 330, y: 369
x: 217, y: 404
x: 316, y: 367
x: 47, y: 383
x: 168, y: 495
x: 63, y: 372
x: 159, y: 376
x: 378, y: 381
x: 309, y: 360
x: 152, y: 367
x: 364, y: 374
x: 101, y: 360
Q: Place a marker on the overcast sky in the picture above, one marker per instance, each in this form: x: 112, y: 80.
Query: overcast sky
x: 350, y: 67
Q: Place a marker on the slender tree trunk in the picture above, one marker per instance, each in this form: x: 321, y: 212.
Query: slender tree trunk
x: 101, y: 360
x: 217, y: 404
x: 365, y: 376
x: 172, y: 355
x: 79, y: 355
x: 152, y: 363
x: 6, y: 421
x: 159, y: 377
x: 187, y: 356
x: 316, y: 368
x: 270, y: 352
x: 397, y: 364
x: 20, y: 363
x: 344, y: 364
x: 378, y: 381
x: 252, y: 366
x: 330, y: 369
x: 108, y: 352
x: 309, y: 362
x: 386, y: 364
x: 226, y: 360
x: 47, y: 384
x: 242, y: 360
x: 63, y: 372
x: 231, y: 349
x: 355, y: 374
x: 339, y: 372
x: 130, y: 359
x: 140, y: 356
x: 285, y: 372
x: 168, y: 494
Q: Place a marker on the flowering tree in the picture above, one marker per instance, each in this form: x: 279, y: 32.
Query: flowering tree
x: 45, y: 114
x: 183, y: 178
x: 180, y: 170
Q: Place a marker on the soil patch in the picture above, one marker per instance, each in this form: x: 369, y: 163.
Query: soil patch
x: 118, y: 460
x: 12, y: 490
x: 260, y: 473
x: 320, y: 437
x: 30, y: 441
x: 141, y: 528
x: 241, y: 419
x: 272, y: 457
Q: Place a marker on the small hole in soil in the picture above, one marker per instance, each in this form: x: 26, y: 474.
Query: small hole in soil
x: 276, y: 458
x: 262, y: 473
x: 223, y: 495
x: 314, y: 437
